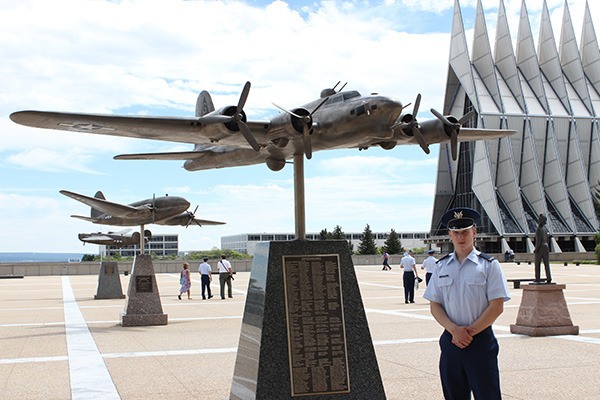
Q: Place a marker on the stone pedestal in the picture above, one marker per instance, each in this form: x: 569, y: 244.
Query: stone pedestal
x: 109, y: 282
x: 544, y: 312
x: 143, y: 306
x: 304, y: 331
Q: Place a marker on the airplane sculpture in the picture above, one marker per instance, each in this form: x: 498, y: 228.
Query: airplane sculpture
x: 117, y: 239
x: 167, y: 210
x: 225, y: 138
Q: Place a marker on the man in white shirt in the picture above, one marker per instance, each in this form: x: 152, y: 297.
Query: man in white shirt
x: 205, y: 271
x: 429, y: 265
x: 225, y: 276
x: 408, y: 278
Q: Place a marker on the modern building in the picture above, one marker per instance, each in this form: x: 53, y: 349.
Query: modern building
x: 158, y: 245
x: 550, y: 95
x: 246, y: 242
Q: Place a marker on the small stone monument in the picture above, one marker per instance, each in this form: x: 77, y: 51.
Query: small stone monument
x: 109, y: 282
x: 143, y: 306
x: 304, y: 331
x: 543, y: 312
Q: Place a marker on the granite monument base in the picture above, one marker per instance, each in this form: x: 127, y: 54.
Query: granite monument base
x: 304, y: 331
x: 544, y: 312
x: 109, y: 282
x: 143, y: 307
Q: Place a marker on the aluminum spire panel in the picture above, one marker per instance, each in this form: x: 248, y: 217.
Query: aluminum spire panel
x: 549, y: 61
x: 527, y: 60
x: 483, y: 186
x: 571, y: 62
x: 590, y: 53
x: 459, y: 57
x: 482, y: 57
x: 506, y: 61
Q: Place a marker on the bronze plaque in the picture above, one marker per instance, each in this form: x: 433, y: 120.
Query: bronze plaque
x: 315, y: 325
x: 143, y: 283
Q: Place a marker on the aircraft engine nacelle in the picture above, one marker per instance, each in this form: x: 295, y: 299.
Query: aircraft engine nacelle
x: 231, y: 126
x: 274, y: 164
x: 407, y: 118
x: 449, y: 129
x: 299, y: 123
x: 387, y: 145
x: 135, y: 237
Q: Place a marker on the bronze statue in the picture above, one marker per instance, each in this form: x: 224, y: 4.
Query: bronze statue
x: 542, y: 250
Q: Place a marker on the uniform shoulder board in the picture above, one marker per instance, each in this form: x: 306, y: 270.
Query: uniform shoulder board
x: 486, y: 257
x: 443, y: 258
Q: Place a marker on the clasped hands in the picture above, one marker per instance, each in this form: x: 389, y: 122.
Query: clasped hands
x: 462, y: 336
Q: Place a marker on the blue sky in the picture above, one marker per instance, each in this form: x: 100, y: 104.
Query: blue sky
x: 153, y: 57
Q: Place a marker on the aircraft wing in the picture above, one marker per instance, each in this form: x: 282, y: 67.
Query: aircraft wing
x: 207, y: 222
x: 90, y: 237
x: 183, y: 219
x: 470, y: 134
x: 104, y: 206
x: 172, y: 129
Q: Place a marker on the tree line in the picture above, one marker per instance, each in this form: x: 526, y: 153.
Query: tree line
x: 367, y: 245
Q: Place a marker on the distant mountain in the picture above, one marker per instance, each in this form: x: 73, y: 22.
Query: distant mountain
x: 40, y: 257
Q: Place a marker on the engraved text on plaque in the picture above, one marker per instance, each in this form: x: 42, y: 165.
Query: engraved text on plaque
x: 315, y: 323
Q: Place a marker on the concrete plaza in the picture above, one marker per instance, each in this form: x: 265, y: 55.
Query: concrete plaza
x: 57, y: 342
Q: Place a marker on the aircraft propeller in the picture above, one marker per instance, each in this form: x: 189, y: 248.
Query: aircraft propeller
x: 454, y: 128
x: 412, y: 126
x: 192, y: 217
x: 237, y: 119
x: 306, y: 121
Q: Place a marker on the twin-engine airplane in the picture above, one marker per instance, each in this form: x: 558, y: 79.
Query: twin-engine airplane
x: 117, y: 239
x: 167, y: 210
x: 225, y: 138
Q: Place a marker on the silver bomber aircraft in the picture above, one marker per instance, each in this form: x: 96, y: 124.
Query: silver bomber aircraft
x: 166, y: 210
x: 118, y: 239
x: 226, y: 138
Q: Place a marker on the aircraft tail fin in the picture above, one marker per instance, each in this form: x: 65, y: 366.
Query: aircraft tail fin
x: 95, y: 213
x: 204, y: 104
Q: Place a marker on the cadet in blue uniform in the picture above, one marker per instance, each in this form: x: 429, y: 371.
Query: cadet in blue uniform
x: 467, y: 293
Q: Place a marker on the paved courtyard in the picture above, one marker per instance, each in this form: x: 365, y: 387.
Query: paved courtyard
x: 57, y: 342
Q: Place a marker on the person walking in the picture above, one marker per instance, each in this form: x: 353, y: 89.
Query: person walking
x: 467, y: 293
x: 185, y: 280
x: 205, y: 271
x: 429, y: 265
x: 225, y: 276
x: 408, y: 278
x: 386, y: 261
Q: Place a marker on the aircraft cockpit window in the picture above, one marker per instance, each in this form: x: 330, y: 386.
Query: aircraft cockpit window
x: 334, y: 99
x: 350, y: 95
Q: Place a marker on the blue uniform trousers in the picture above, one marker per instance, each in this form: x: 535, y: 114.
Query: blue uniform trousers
x: 408, y: 279
x: 205, y: 286
x: 472, y: 369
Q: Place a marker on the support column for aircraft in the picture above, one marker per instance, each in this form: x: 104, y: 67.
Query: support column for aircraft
x: 299, y: 204
x: 142, y: 237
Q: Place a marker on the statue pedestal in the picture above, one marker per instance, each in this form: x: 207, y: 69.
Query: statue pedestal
x: 143, y: 306
x: 304, y: 332
x: 544, y: 312
x: 109, y: 282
